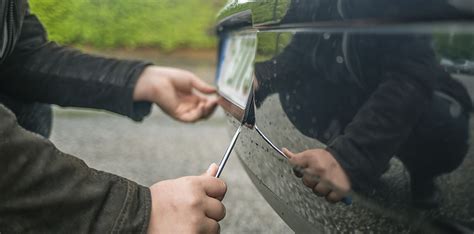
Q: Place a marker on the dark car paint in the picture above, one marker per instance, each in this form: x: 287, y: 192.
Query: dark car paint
x: 297, y: 111
x: 260, y: 13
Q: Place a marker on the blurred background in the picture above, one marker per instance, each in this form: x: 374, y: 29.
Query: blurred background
x: 161, y: 24
x: 176, y: 33
x: 167, y: 32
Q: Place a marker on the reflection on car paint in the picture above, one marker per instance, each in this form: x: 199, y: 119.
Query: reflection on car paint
x: 235, y: 70
x: 393, y: 100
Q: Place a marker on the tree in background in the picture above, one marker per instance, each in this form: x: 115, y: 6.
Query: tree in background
x: 166, y: 24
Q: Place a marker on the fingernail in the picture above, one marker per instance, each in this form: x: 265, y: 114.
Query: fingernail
x: 210, y: 168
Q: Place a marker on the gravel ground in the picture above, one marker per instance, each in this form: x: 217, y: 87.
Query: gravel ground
x: 160, y: 148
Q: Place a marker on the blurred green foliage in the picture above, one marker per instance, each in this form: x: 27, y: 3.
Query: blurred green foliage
x: 166, y: 24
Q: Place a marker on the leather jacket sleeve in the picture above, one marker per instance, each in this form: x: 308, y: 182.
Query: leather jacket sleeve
x: 42, y: 71
x: 394, y: 108
x: 43, y: 190
x: 378, y: 130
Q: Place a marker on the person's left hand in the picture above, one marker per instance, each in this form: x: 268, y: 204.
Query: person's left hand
x: 174, y: 91
x: 322, y: 173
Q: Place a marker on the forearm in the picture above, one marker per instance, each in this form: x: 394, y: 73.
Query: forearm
x: 44, y: 190
x: 42, y: 71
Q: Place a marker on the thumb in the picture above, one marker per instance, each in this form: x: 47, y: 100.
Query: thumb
x: 296, y: 159
x: 212, y: 170
x: 298, y: 171
x: 288, y: 153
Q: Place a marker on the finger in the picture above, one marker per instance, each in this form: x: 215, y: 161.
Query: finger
x: 288, y: 153
x: 212, y: 170
x: 299, y: 160
x: 321, y: 189
x: 298, y: 171
x: 214, y: 209
x: 194, y: 114
x: 334, y: 197
x: 209, y: 107
x: 214, y: 187
x: 202, y: 86
x: 292, y: 156
x: 210, y: 226
x: 310, y: 181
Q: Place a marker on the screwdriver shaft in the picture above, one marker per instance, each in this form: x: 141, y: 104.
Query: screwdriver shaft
x: 228, y: 151
x: 265, y: 138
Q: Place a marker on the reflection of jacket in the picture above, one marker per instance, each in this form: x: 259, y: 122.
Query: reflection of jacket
x: 363, y: 107
x: 402, y: 94
x: 42, y: 189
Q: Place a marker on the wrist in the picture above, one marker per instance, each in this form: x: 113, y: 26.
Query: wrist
x: 143, y: 88
x: 152, y: 223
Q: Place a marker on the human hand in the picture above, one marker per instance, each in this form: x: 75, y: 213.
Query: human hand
x: 188, y: 205
x: 174, y: 91
x: 322, y: 173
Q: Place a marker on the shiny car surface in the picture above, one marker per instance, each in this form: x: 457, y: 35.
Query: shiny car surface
x: 375, y: 80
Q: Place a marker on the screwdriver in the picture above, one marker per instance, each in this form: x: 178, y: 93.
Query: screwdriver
x: 299, y: 171
x: 228, y: 151
x: 248, y: 120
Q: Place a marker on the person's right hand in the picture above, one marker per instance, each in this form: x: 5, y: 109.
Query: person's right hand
x: 188, y: 205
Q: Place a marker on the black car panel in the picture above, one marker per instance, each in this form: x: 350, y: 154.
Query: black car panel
x: 263, y: 13
x: 312, y: 82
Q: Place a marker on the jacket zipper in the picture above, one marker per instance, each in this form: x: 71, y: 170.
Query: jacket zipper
x: 10, y: 24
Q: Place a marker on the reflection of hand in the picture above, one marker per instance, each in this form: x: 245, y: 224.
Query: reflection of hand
x: 173, y: 90
x: 188, y: 204
x: 322, y: 173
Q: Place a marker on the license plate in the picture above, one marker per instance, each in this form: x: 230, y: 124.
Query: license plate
x: 236, y: 66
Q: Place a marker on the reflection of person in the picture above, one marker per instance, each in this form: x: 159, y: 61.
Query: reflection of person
x: 44, y: 190
x: 369, y: 97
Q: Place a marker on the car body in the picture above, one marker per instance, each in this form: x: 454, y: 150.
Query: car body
x: 302, y: 63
